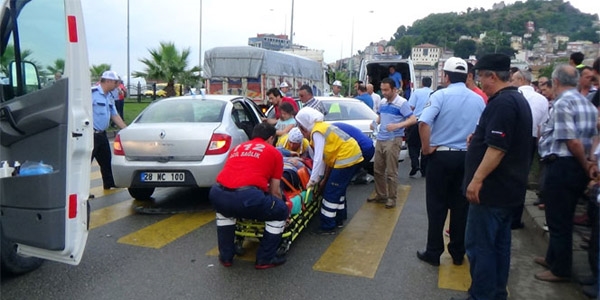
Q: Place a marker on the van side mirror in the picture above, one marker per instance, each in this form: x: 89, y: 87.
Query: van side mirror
x: 29, y: 75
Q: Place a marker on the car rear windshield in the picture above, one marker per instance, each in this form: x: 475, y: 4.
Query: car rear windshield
x: 184, y: 110
x: 348, y: 110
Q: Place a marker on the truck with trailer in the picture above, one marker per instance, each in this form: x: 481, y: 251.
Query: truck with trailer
x: 48, y: 130
x: 252, y: 71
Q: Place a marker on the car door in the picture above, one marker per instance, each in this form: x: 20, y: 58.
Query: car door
x: 46, y: 127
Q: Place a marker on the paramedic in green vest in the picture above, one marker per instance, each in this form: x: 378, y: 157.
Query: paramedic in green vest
x: 336, y: 159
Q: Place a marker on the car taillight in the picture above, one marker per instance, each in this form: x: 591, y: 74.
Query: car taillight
x: 118, y: 148
x: 219, y: 144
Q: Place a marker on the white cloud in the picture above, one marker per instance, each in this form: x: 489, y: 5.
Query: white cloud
x: 324, y: 24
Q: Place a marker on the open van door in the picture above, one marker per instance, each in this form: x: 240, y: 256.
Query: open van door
x: 47, y: 127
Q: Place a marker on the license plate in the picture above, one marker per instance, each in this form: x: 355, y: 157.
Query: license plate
x: 162, y: 176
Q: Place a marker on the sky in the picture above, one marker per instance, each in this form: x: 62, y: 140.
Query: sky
x: 339, y: 27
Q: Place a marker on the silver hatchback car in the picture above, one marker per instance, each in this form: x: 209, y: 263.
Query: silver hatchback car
x: 181, y: 141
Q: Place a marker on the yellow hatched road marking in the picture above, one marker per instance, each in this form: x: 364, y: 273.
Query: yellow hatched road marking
x: 356, y: 250
x: 111, y: 213
x: 450, y: 276
x: 162, y: 233
x: 100, y: 192
x: 250, y: 248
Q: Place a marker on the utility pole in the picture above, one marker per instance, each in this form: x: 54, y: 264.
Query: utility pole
x: 200, y: 48
x: 292, y: 27
x: 128, y: 60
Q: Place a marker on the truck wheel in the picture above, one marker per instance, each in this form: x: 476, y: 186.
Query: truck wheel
x: 13, y: 263
x: 141, y: 193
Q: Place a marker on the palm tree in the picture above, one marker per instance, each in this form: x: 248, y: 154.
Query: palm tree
x: 97, y: 70
x: 9, y: 56
x: 58, y: 67
x: 168, y: 64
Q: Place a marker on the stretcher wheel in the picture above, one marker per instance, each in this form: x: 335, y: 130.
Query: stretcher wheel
x: 239, y: 246
x: 284, y: 247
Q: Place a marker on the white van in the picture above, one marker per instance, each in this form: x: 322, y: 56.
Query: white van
x: 374, y: 70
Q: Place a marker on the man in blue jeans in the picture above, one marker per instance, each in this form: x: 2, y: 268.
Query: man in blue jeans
x: 496, y: 170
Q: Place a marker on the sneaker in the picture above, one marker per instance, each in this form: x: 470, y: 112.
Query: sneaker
x: 391, y: 203
x: 376, y: 200
x: 274, y: 262
x: 225, y: 262
x: 321, y: 231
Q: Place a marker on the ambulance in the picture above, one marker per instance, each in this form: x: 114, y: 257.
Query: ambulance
x: 46, y: 135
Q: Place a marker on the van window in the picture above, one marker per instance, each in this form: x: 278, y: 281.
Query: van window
x: 46, y: 53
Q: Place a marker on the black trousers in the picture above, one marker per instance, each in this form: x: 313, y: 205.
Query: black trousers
x: 101, y: 153
x: 564, y: 183
x: 413, y: 140
x: 444, y: 178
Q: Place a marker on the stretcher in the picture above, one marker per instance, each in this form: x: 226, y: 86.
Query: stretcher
x: 303, y: 205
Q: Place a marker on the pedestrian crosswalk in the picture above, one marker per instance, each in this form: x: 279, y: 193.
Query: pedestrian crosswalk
x: 364, y: 261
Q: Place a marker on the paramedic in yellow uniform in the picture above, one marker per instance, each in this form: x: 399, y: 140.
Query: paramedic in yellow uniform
x: 336, y: 158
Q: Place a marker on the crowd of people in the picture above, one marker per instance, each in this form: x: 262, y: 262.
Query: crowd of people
x: 474, y: 141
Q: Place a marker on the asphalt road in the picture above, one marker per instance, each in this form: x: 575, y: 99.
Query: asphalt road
x: 165, y: 249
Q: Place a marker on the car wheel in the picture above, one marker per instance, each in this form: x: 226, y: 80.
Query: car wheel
x: 13, y: 263
x: 141, y: 193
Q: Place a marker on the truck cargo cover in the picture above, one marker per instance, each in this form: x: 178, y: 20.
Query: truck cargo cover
x: 251, y: 62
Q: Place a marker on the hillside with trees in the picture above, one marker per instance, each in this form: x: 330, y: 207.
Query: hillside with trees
x: 499, y: 24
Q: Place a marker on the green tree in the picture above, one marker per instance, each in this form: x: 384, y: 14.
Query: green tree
x: 168, y: 64
x: 59, y: 66
x: 9, y: 55
x: 464, y: 48
x: 97, y: 70
x: 404, y: 45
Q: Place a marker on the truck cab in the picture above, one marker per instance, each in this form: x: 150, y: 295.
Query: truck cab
x: 377, y: 68
x: 46, y: 128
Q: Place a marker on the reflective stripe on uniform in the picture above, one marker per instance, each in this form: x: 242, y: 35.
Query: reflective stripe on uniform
x: 327, y: 213
x: 224, y: 221
x: 274, y: 227
x: 342, y: 162
x: 330, y: 205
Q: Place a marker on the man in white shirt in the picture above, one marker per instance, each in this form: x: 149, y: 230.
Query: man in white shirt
x: 375, y: 96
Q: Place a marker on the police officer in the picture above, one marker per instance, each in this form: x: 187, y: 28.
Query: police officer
x: 104, y: 110
x: 249, y: 187
x: 337, y: 157
x: 336, y: 89
x: 449, y: 116
x: 284, y: 88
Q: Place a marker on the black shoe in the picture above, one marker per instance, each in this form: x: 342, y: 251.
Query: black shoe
x: 322, y: 231
x: 519, y: 225
x: 422, y: 255
x: 274, y: 262
x: 413, y: 171
x: 339, y: 224
x: 590, y: 290
x: 458, y: 261
x: 109, y: 186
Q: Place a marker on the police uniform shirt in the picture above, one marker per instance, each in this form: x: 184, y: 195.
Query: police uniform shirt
x: 452, y: 114
x: 418, y: 99
x: 505, y: 124
x: 391, y: 113
x: 103, y: 106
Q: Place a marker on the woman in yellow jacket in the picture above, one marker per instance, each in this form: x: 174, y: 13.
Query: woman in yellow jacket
x: 337, y: 156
